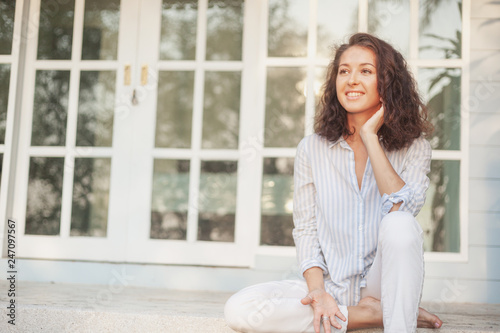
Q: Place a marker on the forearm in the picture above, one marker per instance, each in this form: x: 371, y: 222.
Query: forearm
x: 314, y: 279
x: 388, y: 181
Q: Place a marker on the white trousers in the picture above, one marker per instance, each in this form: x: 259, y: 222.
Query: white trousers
x: 396, y: 278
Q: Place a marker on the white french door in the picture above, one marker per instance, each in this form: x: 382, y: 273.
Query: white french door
x: 130, y: 135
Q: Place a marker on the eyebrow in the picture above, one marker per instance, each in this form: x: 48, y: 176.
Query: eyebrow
x: 363, y: 64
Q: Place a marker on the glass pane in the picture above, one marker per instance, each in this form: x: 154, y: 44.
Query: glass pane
x: 224, y: 29
x: 55, y: 33
x: 336, y: 21
x: 288, y: 26
x: 277, y: 202
x: 441, y: 89
x: 174, y: 109
x: 7, y: 13
x: 1, y: 167
x: 217, y: 201
x: 440, y: 217
x: 285, y: 107
x: 319, y: 80
x: 390, y: 20
x: 43, y: 212
x: 221, y: 110
x: 178, y: 29
x: 50, y: 108
x: 96, y: 108
x: 169, y: 203
x: 89, y: 215
x: 4, y: 98
x: 100, y: 29
x: 440, y: 29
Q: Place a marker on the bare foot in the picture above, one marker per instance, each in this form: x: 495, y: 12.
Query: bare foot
x: 368, y: 313
x: 428, y: 320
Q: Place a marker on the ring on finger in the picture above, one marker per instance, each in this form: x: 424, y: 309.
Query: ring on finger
x: 325, y: 318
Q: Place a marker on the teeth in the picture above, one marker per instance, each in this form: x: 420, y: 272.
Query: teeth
x: 354, y: 94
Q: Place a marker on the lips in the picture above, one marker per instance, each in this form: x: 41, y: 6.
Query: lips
x: 354, y: 94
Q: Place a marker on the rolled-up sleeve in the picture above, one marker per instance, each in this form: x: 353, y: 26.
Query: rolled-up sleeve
x: 416, y: 166
x: 305, y: 235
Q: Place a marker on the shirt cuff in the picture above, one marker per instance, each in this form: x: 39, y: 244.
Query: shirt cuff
x: 305, y: 265
x: 403, y: 195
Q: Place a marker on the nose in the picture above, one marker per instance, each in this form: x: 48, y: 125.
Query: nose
x: 353, y: 79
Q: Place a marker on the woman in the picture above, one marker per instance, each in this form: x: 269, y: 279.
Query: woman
x: 359, y: 182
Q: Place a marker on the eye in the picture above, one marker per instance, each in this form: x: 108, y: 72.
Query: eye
x: 343, y: 71
x: 366, y: 71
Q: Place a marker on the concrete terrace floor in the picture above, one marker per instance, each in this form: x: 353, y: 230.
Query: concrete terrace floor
x: 45, y: 307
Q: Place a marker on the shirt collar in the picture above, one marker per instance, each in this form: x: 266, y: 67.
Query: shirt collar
x: 340, y: 141
x: 344, y: 143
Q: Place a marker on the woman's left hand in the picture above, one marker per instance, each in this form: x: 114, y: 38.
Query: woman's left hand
x: 373, y: 124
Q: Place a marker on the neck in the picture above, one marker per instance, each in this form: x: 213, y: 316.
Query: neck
x: 357, y: 120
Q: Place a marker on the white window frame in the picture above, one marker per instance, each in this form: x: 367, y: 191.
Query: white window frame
x: 7, y: 148
x: 63, y: 246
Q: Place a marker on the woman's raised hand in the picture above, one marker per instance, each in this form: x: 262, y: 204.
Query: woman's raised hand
x: 373, y: 124
x: 325, y: 310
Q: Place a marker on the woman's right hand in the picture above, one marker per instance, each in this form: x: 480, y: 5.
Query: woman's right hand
x: 324, y: 305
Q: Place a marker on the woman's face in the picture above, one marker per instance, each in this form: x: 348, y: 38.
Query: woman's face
x: 357, y: 81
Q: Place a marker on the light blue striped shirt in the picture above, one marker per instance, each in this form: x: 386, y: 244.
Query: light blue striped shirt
x: 336, y: 223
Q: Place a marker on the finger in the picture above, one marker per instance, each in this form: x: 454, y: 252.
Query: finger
x: 317, y: 322
x: 327, y: 325
x: 306, y: 301
x: 335, y: 323
x: 340, y: 315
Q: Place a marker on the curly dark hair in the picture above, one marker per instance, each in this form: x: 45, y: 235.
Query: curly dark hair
x: 405, y: 115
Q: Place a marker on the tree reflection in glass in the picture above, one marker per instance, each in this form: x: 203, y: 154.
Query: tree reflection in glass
x: 440, y: 29
x: 224, y: 29
x: 96, y: 108
x: 277, y: 202
x: 221, y: 112
x: 178, y: 29
x: 288, y: 26
x: 89, y: 213
x: 440, y: 216
x: 4, y: 99
x: 217, y: 201
x: 285, y: 107
x: 43, y: 211
x: 174, y: 109
x: 389, y: 20
x: 170, y: 198
x: 336, y: 20
x: 1, y: 167
x: 100, y: 29
x: 50, y: 108
x: 55, y: 31
x: 441, y: 89
x: 7, y: 13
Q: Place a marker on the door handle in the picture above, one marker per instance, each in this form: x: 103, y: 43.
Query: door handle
x: 135, y: 101
x: 144, y: 75
x: 127, y: 75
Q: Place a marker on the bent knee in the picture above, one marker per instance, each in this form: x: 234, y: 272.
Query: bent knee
x: 400, y: 229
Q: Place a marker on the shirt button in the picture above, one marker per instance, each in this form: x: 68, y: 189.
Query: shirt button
x: 392, y: 198
x: 360, y: 228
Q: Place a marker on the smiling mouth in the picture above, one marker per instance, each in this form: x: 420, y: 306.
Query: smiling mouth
x: 354, y: 94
